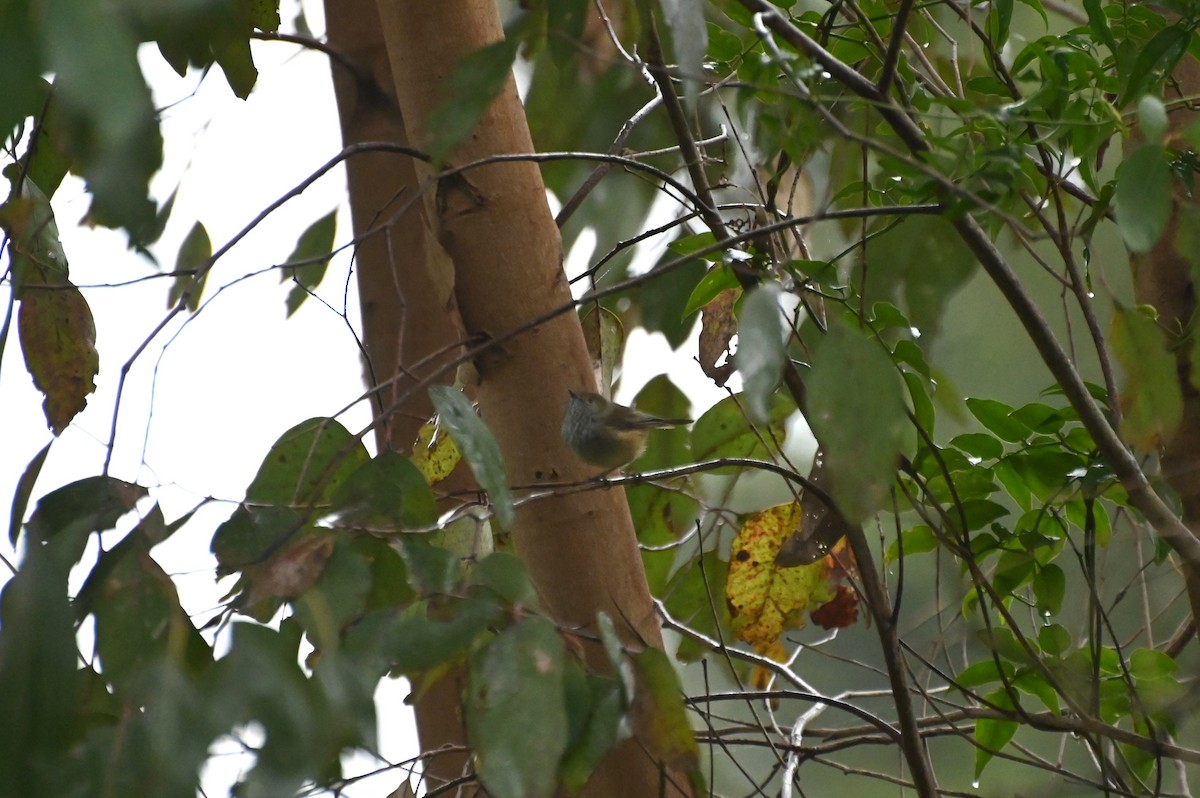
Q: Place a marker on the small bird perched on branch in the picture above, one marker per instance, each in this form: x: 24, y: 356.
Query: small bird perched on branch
x: 606, y: 434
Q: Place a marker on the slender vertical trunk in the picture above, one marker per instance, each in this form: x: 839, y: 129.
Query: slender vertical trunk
x: 581, y: 550
x: 405, y: 316
x: 1163, y: 278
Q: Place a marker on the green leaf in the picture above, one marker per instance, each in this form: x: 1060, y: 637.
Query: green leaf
x: 659, y: 719
x: 979, y: 444
x: 516, y: 712
x: 39, y: 655
x: 305, y: 728
x: 1040, y: 418
x: 1032, y: 682
x: 1005, y: 643
x: 723, y: 46
x: 264, y: 14
x: 998, y: 21
x: 23, y: 491
x: 979, y: 512
x: 387, y: 491
x: 718, y: 279
x: 432, y: 569
x: 36, y: 249
x: 1050, y: 587
x: 695, y: 243
x: 1037, y: 6
x: 1156, y: 59
x: 21, y: 82
x: 918, y: 393
x: 109, y: 121
x: 984, y: 672
x: 251, y: 534
x: 605, y: 337
x: 45, y: 158
x: 307, y: 464
x: 191, y: 269
x: 139, y: 620
x: 337, y: 598
x: 997, y: 418
x: 420, y: 637
x: 1043, y: 471
x: 1098, y: 24
x: 760, y: 352
x: 1054, y: 639
x: 661, y: 516
x: 311, y: 256
x: 478, y: 446
x: 924, y: 261
x: 565, y: 25
x: 856, y: 409
x: 93, y: 504
x: 991, y: 735
x: 917, y: 540
x: 1143, y: 197
x: 38, y: 652
x: 237, y: 63
x: 505, y: 575
x: 664, y: 299
x: 1151, y: 398
x: 695, y: 597
x: 389, y: 576
x: 476, y: 81
x: 908, y: 352
x: 724, y: 430
x: 1149, y: 663
x: 273, y: 538
x: 467, y: 536
x: 595, y: 709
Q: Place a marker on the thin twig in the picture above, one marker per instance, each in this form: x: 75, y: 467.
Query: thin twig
x: 884, y: 84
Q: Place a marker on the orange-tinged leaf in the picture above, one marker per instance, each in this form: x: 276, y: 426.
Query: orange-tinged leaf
x: 760, y: 677
x: 58, y: 339
x: 764, y: 599
x: 839, y: 613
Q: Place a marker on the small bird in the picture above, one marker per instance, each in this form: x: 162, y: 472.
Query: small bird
x: 606, y: 434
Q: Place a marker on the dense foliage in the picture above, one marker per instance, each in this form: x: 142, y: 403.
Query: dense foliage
x: 911, y: 225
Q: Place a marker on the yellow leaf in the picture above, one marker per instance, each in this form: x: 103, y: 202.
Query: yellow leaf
x: 435, y: 453
x: 764, y: 599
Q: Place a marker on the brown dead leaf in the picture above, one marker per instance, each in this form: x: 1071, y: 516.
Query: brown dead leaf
x: 717, y: 329
x: 58, y: 339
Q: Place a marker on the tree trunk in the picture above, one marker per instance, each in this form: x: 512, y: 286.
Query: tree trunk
x: 405, y: 316
x: 1163, y: 278
x: 581, y: 550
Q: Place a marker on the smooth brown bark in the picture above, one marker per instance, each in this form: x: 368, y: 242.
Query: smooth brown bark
x: 1163, y: 278
x: 406, y: 317
x: 581, y: 550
